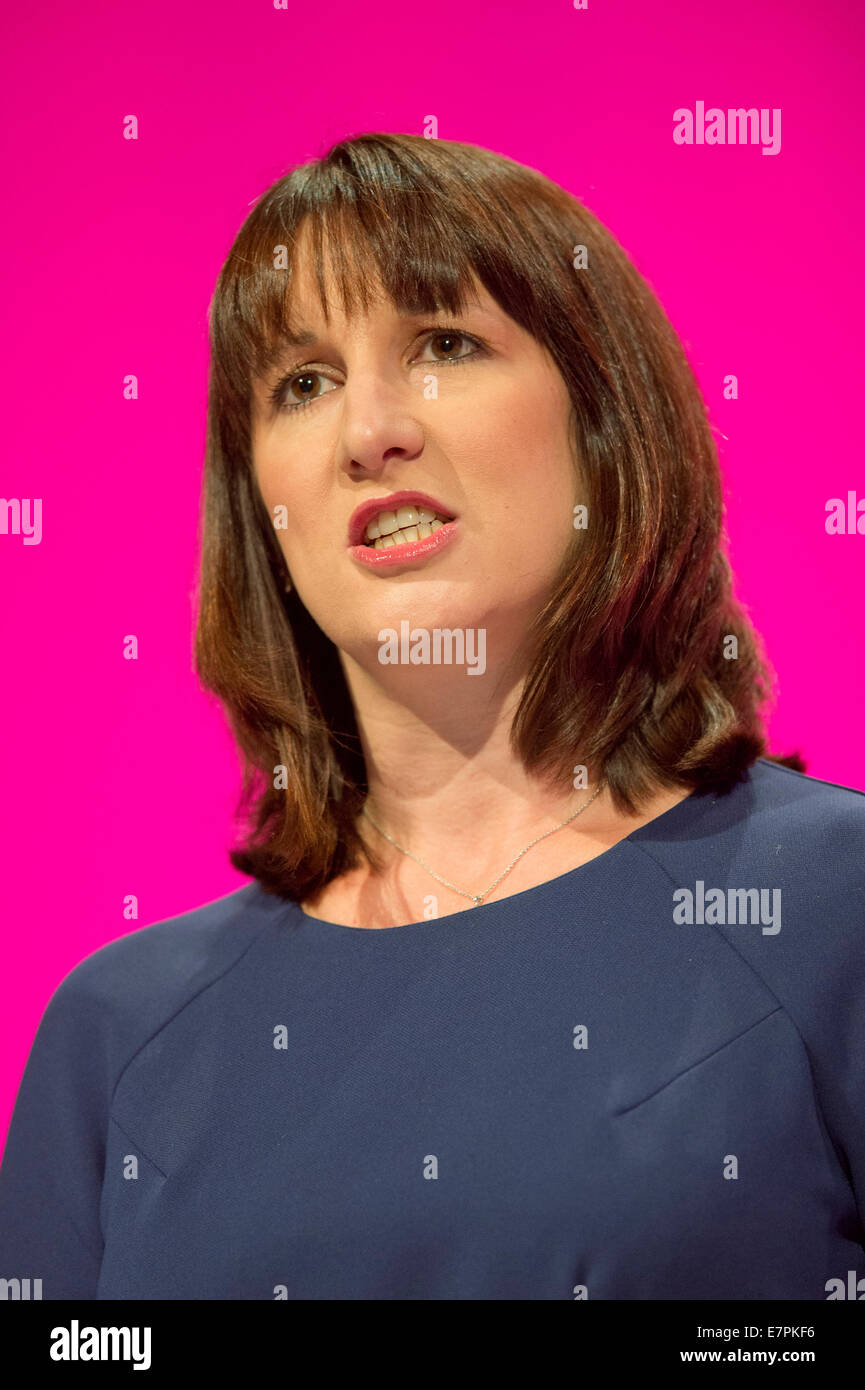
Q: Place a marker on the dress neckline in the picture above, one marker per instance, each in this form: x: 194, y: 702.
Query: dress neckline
x: 515, y: 901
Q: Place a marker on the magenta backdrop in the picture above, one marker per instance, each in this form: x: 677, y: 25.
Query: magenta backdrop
x: 120, y: 777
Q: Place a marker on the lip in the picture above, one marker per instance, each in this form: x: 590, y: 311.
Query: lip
x: 363, y: 515
x: 407, y: 551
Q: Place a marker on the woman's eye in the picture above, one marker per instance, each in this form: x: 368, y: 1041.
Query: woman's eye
x: 448, y: 343
x: 298, y: 389
x: 302, y: 388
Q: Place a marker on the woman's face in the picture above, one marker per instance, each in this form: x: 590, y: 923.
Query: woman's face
x: 469, y: 411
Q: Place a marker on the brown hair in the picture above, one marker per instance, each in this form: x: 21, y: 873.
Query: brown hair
x: 629, y: 674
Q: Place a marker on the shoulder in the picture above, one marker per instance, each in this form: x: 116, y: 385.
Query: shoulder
x: 811, y: 835
x: 775, y: 820
x: 776, y: 869
x: 813, y: 830
x: 780, y: 797
x: 793, y: 844
x: 124, y: 992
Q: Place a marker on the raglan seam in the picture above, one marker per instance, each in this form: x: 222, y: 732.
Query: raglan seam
x: 185, y: 1005
x: 111, y: 1119
x: 837, y: 1146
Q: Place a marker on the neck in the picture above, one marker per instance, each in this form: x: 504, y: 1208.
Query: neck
x: 443, y: 779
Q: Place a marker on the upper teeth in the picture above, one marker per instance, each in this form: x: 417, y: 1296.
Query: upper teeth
x: 412, y: 524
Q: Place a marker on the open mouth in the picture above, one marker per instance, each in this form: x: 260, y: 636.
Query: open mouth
x: 409, y: 523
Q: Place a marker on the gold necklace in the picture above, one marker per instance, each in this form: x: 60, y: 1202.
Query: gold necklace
x: 478, y: 898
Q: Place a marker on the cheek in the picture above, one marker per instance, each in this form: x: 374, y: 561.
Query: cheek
x: 266, y: 471
x: 517, y: 459
x: 275, y: 503
x: 284, y: 503
x: 520, y: 416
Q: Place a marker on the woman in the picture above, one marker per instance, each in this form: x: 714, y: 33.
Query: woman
x: 548, y: 982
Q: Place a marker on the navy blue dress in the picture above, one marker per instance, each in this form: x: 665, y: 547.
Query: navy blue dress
x: 643, y: 1079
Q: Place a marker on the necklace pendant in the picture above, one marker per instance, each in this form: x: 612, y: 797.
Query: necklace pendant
x: 477, y: 898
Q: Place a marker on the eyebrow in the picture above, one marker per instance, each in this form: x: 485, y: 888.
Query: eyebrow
x: 273, y: 357
x: 306, y: 337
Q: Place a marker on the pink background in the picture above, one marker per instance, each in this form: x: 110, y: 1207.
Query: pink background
x: 119, y: 776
